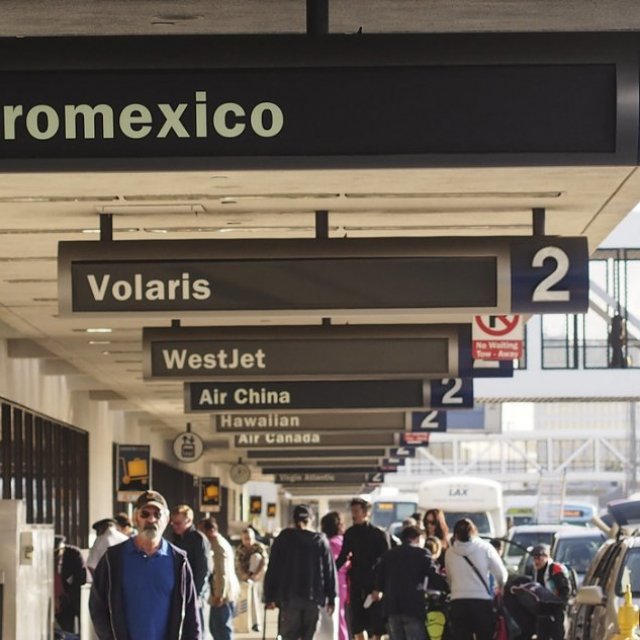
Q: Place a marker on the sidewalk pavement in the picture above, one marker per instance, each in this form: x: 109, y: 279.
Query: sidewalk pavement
x: 271, y: 633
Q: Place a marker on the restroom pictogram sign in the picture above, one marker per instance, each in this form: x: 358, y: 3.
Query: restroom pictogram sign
x: 498, y: 337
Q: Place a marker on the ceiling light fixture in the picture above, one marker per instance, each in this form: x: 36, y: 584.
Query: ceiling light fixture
x: 98, y: 330
x: 116, y: 230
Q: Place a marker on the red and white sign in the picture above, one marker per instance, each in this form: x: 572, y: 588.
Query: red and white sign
x: 415, y: 439
x: 497, y: 337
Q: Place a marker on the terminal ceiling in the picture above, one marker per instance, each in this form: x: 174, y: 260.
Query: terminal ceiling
x: 38, y: 210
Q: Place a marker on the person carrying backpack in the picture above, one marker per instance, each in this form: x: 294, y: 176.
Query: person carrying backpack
x: 554, y: 576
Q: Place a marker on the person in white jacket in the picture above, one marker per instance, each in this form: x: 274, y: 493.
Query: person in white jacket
x: 469, y: 562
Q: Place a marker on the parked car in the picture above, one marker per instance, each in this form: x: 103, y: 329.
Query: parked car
x: 576, y: 549
x: 525, y: 536
x: 573, y: 547
x: 594, y: 615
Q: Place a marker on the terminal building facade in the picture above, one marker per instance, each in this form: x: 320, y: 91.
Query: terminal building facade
x: 383, y: 125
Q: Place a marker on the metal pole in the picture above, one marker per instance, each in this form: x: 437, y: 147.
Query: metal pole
x: 317, y: 17
x: 1, y: 604
x: 322, y: 224
x: 106, y: 227
x: 633, y: 449
x: 539, y: 215
x: 322, y: 232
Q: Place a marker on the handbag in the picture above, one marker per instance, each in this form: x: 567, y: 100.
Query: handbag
x: 506, y: 627
x: 501, y: 631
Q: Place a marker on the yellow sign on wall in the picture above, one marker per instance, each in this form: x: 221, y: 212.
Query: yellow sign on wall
x: 255, y: 505
x: 210, y: 494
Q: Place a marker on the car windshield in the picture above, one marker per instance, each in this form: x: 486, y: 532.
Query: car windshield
x: 480, y: 519
x: 630, y: 573
x: 577, y: 553
x: 523, y: 540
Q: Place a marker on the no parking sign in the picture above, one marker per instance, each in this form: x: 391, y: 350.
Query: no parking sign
x: 498, y: 337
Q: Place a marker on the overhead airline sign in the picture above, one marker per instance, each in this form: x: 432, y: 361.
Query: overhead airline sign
x: 328, y: 395
x: 177, y: 100
x: 295, y: 455
x: 301, y: 352
x: 313, y: 477
x: 313, y: 439
x: 273, y: 467
x: 359, y: 275
x: 283, y: 422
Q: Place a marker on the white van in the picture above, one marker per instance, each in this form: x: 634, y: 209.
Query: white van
x: 478, y: 499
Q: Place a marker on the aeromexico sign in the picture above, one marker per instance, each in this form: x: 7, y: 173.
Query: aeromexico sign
x: 191, y: 119
x: 435, y: 101
x: 296, y: 112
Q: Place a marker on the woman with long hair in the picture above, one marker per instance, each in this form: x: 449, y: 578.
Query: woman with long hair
x: 435, y: 525
x: 332, y: 525
x: 470, y: 561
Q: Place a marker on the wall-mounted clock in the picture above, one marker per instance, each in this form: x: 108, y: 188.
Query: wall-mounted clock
x: 240, y: 473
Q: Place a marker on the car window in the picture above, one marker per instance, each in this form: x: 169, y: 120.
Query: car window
x: 607, y: 578
x: 480, y: 519
x: 576, y: 553
x: 525, y: 539
x: 598, y: 568
x: 629, y: 573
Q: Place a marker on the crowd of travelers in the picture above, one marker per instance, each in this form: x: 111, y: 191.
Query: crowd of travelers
x: 338, y: 583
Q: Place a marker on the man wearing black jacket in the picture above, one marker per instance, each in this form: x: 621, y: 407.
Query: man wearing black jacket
x: 143, y: 588
x: 300, y: 578
x: 402, y: 575
x: 364, y: 545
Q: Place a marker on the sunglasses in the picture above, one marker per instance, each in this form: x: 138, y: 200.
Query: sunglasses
x: 146, y: 513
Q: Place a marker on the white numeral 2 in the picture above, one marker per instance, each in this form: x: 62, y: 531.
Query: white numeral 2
x: 430, y: 421
x: 542, y: 293
x: 450, y: 396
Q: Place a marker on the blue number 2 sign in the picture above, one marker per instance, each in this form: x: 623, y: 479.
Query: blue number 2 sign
x: 550, y: 275
x: 452, y: 393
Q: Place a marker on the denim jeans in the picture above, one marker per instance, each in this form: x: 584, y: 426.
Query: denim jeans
x: 403, y: 627
x: 221, y: 621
